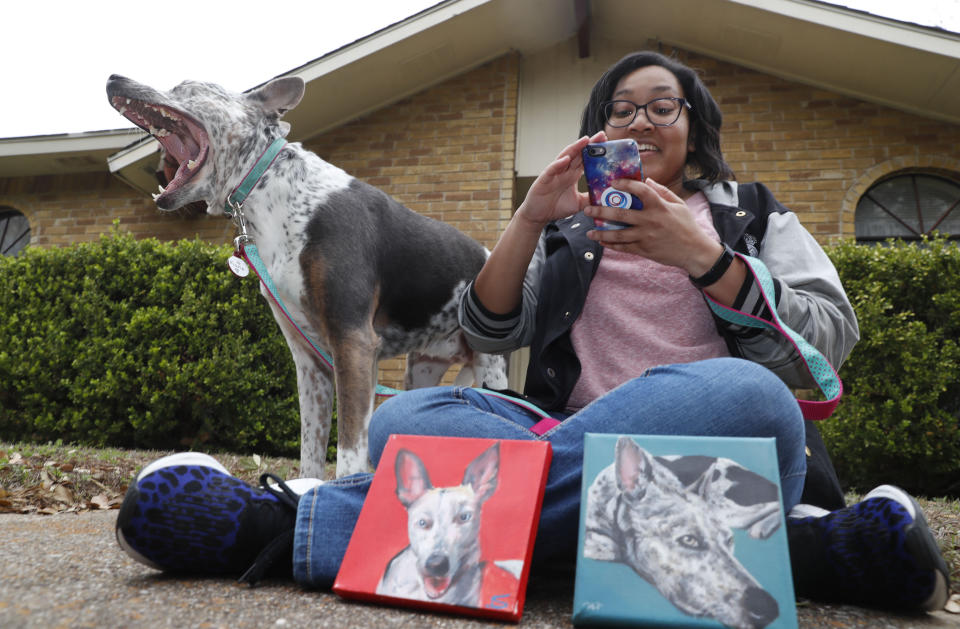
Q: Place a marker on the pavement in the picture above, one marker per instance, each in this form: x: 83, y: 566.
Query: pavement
x: 67, y: 570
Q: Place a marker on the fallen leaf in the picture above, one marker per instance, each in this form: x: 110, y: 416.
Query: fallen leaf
x: 256, y: 459
x: 62, y: 494
x: 953, y: 605
x: 103, y: 501
x: 16, y: 459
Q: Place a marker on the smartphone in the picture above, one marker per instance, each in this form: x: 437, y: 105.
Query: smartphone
x: 604, y: 162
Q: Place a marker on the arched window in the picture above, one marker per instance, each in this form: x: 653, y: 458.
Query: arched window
x: 908, y: 206
x: 14, y: 231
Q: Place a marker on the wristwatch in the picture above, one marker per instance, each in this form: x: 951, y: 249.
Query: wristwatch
x: 717, y: 270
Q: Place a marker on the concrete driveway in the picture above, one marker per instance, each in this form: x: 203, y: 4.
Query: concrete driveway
x: 66, y: 570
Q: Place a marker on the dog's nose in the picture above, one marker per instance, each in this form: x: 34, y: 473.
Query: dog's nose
x: 437, y: 565
x: 761, y: 608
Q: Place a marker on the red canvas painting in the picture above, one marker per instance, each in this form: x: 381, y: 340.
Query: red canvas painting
x: 448, y: 524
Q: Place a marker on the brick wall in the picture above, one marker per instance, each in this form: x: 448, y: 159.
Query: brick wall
x: 66, y: 209
x: 446, y: 152
x: 816, y: 150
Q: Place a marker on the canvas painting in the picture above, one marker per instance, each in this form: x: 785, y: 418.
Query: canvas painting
x: 448, y: 524
x: 682, y: 532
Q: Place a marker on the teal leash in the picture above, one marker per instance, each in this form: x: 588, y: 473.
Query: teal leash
x: 245, y: 251
x: 820, y: 368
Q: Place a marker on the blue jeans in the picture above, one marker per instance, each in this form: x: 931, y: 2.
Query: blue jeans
x: 719, y: 397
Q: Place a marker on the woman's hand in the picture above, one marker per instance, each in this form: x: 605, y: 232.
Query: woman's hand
x: 554, y: 193
x: 663, y: 231
x: 552, y: 196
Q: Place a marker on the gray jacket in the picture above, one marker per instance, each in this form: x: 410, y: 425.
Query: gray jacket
x: 808, y: 294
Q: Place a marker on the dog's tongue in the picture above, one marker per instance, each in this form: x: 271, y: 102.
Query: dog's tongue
x: 436, y: 586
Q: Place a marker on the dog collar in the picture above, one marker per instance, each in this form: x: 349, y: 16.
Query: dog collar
x: 235, y: 201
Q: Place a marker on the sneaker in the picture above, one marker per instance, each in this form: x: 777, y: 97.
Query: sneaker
x: 185, y: 513
x: 877, y: 553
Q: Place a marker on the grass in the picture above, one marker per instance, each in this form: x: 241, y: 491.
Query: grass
x: 57, y: 477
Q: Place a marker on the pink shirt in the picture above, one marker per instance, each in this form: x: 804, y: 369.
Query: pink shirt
x: 640, y: 314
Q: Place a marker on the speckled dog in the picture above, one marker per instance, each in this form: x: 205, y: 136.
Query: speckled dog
x: 363, y: 276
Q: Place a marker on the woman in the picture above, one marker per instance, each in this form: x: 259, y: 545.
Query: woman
x: 621, y: 342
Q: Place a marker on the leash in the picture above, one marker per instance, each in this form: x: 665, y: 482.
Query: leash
x: 246, y: 252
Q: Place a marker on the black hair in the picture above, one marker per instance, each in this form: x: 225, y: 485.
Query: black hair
x: 705, y: 116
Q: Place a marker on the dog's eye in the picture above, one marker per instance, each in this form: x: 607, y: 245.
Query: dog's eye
x: 690, y: 541
x: 425, y: 523
x: 466, y: 516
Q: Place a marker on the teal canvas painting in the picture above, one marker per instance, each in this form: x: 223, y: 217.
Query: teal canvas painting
x: 682, y: 532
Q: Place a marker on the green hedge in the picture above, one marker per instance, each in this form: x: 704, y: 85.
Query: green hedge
x: 157, y: 345
x: 899, y: 421
x: 142, y: 344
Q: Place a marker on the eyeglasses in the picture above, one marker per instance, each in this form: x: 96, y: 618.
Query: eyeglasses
x: 661, y: 112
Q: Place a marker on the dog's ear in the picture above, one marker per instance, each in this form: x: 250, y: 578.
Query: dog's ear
x: 412, y: 478
x: 633, y: 468
x: 740, y: 498
x: 482, y: 472
x: 279, y: 95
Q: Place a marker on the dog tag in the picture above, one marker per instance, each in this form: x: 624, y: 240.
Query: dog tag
x: 237, y: 266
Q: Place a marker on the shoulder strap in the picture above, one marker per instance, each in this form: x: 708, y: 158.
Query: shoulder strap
x: 820, y: 368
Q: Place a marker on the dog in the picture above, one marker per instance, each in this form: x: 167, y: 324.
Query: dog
x: 443, y: 563
x: 670, y: 520
x: 363, y: 276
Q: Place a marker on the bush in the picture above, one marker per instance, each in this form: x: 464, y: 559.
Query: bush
x: 899, y: 420
x: 142, y: 344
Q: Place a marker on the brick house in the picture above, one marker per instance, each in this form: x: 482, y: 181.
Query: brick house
x: 456, y: 109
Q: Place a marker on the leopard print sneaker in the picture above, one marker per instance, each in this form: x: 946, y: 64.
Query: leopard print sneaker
x: 186, y: 514
x: 876, y: 553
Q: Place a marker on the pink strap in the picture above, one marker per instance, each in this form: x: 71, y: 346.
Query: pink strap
x: 544, y: 425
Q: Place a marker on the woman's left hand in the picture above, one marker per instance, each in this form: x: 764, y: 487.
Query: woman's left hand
x: 663, y: 231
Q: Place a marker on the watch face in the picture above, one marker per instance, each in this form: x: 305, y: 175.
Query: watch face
x: 14, y: 232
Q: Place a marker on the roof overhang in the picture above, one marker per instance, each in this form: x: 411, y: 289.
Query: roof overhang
x: 903, y: 66
x: 62, y: 154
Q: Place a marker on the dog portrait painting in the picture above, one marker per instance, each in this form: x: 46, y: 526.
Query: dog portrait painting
x: 679, y: 526
x: 448, y: 523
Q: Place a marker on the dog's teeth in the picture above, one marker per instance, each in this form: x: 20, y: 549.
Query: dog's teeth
x: 128, y: 101
x: 121, y: 110
x: 155, y: 196
x: 162, y: 190
x: 191, y: 164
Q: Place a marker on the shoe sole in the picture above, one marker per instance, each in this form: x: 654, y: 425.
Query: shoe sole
x: 921, y: 543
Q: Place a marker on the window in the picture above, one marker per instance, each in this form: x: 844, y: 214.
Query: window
x: 908, y: 206
x: 14, y: 231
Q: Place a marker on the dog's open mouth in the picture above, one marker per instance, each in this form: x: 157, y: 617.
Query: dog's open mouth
x: 436, y: 586
x: 184, y: 140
